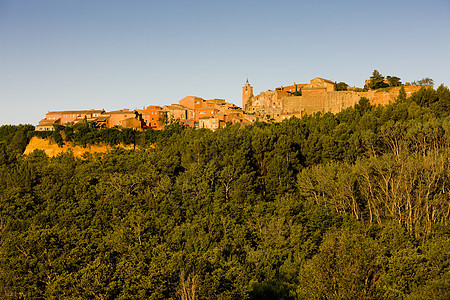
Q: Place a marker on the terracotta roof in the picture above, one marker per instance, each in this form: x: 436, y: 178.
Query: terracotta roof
x: 68, y: 112
x: 207, y: 108
x: 154, y: 107
x: 46, y: 122
x: 326, y: 80
x: 101, y: 118
x: 121, y: 111
x: 176, y: 106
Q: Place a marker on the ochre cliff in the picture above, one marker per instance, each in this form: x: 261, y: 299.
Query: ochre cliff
x: 52, y: 149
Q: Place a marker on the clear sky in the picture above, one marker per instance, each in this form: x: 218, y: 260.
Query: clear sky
x: 113, y: 54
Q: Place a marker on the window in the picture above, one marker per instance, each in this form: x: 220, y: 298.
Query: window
x: 196, y: 102
x: 203, y: 112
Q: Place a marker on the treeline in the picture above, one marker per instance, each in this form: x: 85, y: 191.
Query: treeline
x: 85, y: 133
x: 353, y: 205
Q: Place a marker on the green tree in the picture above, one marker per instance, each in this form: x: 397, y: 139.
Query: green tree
x: 341, y: 86
x: 363, y: 105
x: 442, y: 106
x: 346, y: 267
x: 393, y: 80
x: 426, y: 81
x: 401, y: 94
x: 297, y: 92
x: 377, y: 81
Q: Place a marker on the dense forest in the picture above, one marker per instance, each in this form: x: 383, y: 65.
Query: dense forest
x: 353, y: 205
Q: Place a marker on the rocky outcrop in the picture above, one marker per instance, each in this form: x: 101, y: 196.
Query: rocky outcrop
x: 52, y: 149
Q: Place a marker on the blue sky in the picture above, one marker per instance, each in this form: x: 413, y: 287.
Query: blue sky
x: 78, y: 54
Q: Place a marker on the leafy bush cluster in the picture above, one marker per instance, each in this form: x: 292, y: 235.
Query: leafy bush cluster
x: 353, y: 205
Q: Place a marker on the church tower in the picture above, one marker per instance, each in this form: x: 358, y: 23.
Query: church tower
x: 247, y: 93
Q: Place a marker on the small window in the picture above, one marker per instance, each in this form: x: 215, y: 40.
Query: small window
x: 196, y: 102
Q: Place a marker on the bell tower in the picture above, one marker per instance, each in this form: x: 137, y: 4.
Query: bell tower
x: 247, y: 93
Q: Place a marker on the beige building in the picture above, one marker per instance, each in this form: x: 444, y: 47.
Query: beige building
x: 69, y: 116
x: 124, y: 118
x: 211, y: 122
x: 101, y: 119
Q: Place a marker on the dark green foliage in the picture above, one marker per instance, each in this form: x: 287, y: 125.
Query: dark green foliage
x: 377, y: 81
x: 16, y: 137
x: 84, y: 134
x: 424, y: 81
x: 401, y: 94
x: 425, y: 97
x: 441, y: 107
x: 393, y: 80
x: 353, y: 205
x: 341, y: 86
x: 297, y: 92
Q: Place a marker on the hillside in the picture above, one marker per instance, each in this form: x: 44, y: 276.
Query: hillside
x: 351, y: 205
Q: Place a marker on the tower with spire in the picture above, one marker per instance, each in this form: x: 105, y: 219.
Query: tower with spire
x: 247, y: 93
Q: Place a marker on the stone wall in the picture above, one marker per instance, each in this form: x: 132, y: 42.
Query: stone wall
x: 317, y: 96
x: 339, y: 100
x: 266, y: 103
x: 318, y: 100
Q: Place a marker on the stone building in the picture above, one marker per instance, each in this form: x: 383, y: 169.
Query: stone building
x: 124, y: 118
x: 212, y: 122
x: 101, y: 119
x: 317, y: 96
x: 152, y: 117
x: 197, y: 112
x: 68, y: 116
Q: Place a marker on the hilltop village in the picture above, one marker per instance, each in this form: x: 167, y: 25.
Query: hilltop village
x: 320, y: 95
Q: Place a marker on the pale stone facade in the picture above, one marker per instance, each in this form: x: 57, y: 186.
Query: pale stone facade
x: 317, y: 96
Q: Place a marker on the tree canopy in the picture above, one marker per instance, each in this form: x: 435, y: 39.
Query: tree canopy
x: 341, y: 86
x: 377, y: 81
x: 349, y: 205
